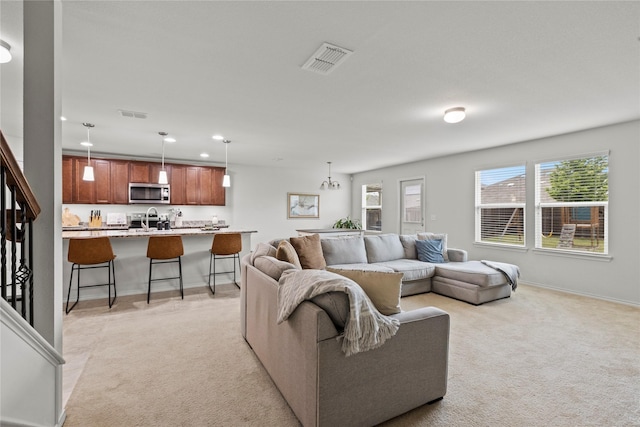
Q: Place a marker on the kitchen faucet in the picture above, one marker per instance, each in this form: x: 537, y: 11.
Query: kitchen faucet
x: 145, y: 225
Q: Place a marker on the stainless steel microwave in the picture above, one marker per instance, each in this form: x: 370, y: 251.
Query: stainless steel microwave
x: 149, y: 193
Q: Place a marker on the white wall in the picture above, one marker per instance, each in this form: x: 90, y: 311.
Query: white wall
x: 258, y: 199
x: 450, y: 197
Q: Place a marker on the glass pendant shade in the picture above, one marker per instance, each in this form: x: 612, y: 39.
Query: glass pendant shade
x: 226, y: 180
x: 88, y: 174
x: 162, y: 178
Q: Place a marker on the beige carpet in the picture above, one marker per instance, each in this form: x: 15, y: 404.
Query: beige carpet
x: 540, y: 358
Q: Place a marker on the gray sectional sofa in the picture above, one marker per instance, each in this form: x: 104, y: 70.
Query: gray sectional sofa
x: 323, y: 387
x: 470, y: 281
x: 303, y: 354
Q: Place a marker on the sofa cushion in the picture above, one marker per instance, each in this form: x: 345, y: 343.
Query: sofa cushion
x: 287, y: 253
x: 382, y: 288
x: 336, y: 305
x: 309, y: 251
x: 430, y: 250
x: 409, y: 245
x: 413, y: 269
x: 433, y: 236
x: 262, y: 249
x: 344, y: 250
x: 272, y: 267
x: 473, y: 272
x: 383, y: 247
x: 362, y: 266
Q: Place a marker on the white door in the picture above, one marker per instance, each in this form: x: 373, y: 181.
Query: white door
x: 412, y: 206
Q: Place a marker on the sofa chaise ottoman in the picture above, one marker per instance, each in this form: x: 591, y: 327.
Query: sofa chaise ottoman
x: 470, y: 281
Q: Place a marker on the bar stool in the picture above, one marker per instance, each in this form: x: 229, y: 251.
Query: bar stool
x: 88, y: 253
x: 225, y: 245
x: 167, y: 249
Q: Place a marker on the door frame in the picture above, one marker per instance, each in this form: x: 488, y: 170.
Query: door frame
x: 401, y: 183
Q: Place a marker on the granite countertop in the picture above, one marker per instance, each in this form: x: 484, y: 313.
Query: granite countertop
x: 139, y: 232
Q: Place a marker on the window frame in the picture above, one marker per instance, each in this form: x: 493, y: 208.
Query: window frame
x: 479, y: 207
x: 540, y: 205
x: 365, y: 206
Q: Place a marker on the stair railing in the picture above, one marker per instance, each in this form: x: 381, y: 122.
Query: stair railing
x: 16, y: 219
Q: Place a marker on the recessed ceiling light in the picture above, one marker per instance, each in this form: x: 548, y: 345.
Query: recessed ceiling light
x: 86, y: 144
x: 454, y: 115
x: 205, y: 155
x: 218, y: 137
x: 169, y: 139
x: 63, y: 119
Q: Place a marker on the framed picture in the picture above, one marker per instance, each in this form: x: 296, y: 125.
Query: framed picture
x: 303, y: 205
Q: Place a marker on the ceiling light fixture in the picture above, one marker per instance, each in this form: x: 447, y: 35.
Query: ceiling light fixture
x: 5, y: 52
x: 162, y: 177
x: 331, y: 185
x: 226, y: 180
x: 218, y: 137
x: 88, y: 170
x: 454, y: 115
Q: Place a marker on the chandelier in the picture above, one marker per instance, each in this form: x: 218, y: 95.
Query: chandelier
x: 331, y: 185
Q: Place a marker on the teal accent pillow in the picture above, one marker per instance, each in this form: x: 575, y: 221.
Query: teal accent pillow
x: 430, y: 250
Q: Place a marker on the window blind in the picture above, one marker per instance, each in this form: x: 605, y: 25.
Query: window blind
x: 500, y: 205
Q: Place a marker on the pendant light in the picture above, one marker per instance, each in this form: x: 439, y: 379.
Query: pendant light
x: 162, y: 178
x: 226, y: 181
x: 331, y: 185
x: 88, y: 170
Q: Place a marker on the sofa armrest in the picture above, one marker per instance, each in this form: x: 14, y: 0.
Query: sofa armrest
x: 457, y: 255
x: 418, y: 314
x: 408, y: 370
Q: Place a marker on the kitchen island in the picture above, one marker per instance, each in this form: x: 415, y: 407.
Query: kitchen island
x: 132, y: 264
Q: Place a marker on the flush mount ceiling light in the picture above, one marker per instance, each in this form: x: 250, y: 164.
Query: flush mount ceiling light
x: 5, y: 52
x: 331, y: 185
x: 162, y: 176
x: 454, y: 115
x: 226, y: 180
x: 88, y: 170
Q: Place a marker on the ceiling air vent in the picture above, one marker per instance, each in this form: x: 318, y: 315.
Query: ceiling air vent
x: 325, y: 59
x: 133, y: 114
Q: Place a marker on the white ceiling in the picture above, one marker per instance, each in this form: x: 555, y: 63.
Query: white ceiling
x: 523, y: 70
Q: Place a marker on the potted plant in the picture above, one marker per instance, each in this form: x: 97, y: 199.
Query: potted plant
x: 348, y: 223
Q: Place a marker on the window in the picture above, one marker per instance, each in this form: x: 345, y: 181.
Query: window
x: 372, y: 207
x: 500, y: 206
x: 572, y: 204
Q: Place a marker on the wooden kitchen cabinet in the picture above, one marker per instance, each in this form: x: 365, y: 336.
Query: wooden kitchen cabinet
x: 67, y: 180
x: 211, y: 190
x: 119, y: 182
x: 102, y: 183
x: 177, y: 183
x: 190, y: 185
x: 139, y: 172
x: 83, y: 191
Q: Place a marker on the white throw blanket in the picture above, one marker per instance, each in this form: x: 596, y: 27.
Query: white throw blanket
x: 365, y: 329
x: 510, y: 271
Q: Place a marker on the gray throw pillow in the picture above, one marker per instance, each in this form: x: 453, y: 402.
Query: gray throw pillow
x: 273, y: 267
